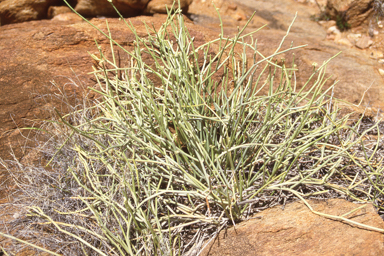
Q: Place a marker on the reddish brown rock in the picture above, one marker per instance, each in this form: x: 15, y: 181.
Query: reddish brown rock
x: 353, y: 12
x: 25, y: 10
x: 160, y: 6
x: 232, y: 6
x: 57, y: 10
x: 137, y: 4
x: 336, y: 6
x: 297, y: 231
x: 12, y: 11
x: 38, y: 52
x: 68, y: 16
x: 364, y: 42
x: 35, y: 53
x: 358, y: 80
x: 92, y: 8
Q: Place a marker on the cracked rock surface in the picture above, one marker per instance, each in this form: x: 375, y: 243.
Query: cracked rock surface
x: 297, y: 231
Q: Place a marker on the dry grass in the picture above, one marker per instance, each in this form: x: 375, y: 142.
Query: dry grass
x: 157, y: 170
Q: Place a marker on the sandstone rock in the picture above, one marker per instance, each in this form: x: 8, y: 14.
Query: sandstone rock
x: 34, y: 53
x: 137, y: 4
x: 69, y: 16
x: 232, y: 6
x: 232, y: 14
x: 375, y: 54
x: 12, y: 11
x: 334, y: 7
x: 319, y: 3
x: 160, y: 6
x: 37, y: 52
x: 333, y: 33
x: 25, y: 10
x: 353, y: 37
x: 363, y: 72
x: 322, y: 3
x: 239, y: 16
x: 297, y: 231
x: 353, y: 69
x: 327, y: 23
x: 344, y: 41
x: 364, y: 42
x: 353, y: 12
x: 92, y: 8
x: 56, y: 10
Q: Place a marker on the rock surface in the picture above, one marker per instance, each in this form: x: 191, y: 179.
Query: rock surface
x: 35, y: 53
x: 92, y: 8
x: 38, y: 52
x: 57, y: 10
x: 12, y: 11
x: 353, y: 12
x: 297, y: 231
x: 357, y: 75
x: 160, y: 6
x: 68, y: 16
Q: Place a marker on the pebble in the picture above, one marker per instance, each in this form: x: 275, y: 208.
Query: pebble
x: 353, y: 37
x: 327, y: 23
x: 344, y: 41
x: 232, y: 6
x: 364, y: 42
x: 375, y: 54
x: 333, y: 33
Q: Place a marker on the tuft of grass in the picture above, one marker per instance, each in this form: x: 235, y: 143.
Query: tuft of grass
x: 181, y: 144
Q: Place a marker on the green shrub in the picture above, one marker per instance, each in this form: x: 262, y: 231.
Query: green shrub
x: 158, y: 168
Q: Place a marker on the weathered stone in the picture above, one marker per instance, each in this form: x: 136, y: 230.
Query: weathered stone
x: 352, y: 12
x: 137, y: 4
x: 364, y: 42
x: 297, y: 231
x: 327, y: 23
x: 69, y: 16
x: 232, y: 6
x: 160, y: 6
x: 375, y: 54
x: 344, y: 41
x: 92, y: 8
x: 56, y: 10
x: 12, y: 11
x: 334, y: 7
x: 34, y: 53
x: 37, y: 52
x: 333, y: 33
x: 239, y: 16
x: 353, y: 37
x: 354, y: 70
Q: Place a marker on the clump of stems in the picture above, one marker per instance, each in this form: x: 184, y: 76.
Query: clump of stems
x: 170, y: 153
